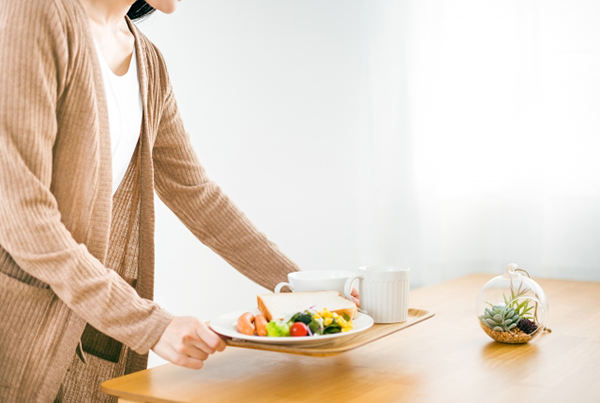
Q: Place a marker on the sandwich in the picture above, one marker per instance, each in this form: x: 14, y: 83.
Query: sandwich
x: 280, y: 306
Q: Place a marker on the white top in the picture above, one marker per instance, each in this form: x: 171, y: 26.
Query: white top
x: 124, y: 100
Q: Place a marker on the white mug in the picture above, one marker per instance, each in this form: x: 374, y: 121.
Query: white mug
x: 316, y: 280
x: 383, y: 292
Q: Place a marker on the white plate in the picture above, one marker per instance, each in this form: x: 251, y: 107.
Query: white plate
x: 226, y: 325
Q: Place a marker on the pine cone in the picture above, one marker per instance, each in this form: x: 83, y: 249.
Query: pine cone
x: 527, y: 326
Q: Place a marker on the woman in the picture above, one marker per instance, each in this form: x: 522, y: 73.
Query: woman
x: 77, y: 254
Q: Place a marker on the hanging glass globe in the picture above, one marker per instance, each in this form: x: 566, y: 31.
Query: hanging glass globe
x: 512, y: 308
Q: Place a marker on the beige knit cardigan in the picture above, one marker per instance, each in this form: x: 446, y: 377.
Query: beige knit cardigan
x: 57, y: 213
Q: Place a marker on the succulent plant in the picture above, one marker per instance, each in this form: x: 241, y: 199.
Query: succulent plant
x: 527, y: 326
x: 500, y: 318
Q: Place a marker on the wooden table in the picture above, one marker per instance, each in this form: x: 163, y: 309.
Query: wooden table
x: 445, y: 359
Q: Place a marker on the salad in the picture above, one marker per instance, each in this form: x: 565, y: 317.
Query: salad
x: 306, y: 323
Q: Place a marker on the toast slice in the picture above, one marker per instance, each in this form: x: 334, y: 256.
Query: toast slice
x: 279, y: 306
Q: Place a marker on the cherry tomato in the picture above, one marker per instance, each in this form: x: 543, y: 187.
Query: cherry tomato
x: 298, y: 329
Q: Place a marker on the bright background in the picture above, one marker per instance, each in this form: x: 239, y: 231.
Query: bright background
x: 450, y: 136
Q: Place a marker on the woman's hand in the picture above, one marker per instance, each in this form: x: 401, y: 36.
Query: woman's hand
x: 188, y: 342
x: 355, y: 297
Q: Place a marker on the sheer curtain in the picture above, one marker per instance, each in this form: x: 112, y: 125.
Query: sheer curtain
x: 479, y: 137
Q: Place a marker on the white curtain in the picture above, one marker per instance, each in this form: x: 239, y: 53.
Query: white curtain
x: 479, y: 136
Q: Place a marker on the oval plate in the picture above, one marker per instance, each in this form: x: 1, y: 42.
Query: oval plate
x: 225, y: 325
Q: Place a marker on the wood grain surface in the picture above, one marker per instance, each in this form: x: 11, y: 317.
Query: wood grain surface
x: 445, y: 359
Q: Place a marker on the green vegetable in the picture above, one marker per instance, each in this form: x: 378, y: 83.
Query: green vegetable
x: 304, y: 317
x: 307, y: 317
x: 334, y: 327
x: 316, y: 325
x: 278, y: 328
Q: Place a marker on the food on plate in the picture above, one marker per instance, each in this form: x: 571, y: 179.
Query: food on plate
x: 334, y: 323
x: 279, y: 306
x: 261, y: 325
x: 299, y: 314
x: 278, y: 328
x: 298, y: 329
x: 245, y: 324
x: 306, y: 323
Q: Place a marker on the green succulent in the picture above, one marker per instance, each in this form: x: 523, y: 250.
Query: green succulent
x: 500, y: 318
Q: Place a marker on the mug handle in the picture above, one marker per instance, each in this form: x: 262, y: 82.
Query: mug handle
x: 279, y: 286
x: 348, y: 285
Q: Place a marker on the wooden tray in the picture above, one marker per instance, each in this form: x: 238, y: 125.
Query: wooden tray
x: 341, y: 345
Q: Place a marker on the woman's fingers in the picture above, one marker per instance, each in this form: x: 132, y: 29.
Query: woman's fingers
x: 210, y: 338
x: 200, y: 344
x: 355, y: 296
x: 188, y: 342
x: 176, y: 356
x: 189, y: 349
x: 201, y: 341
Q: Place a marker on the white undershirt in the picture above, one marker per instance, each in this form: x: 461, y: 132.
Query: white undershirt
x: 124, y: 101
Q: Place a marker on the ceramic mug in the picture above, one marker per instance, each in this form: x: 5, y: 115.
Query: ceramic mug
x: 383, y: 292
x: 316, y: 280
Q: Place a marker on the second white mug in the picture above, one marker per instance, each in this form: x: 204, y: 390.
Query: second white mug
x: 383, y: 292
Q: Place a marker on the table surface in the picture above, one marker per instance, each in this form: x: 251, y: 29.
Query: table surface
x: 447, y: 358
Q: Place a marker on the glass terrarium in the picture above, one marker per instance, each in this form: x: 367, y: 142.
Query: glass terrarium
x: 512, y: 308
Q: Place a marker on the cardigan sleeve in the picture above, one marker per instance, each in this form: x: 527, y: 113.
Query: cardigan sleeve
x: 181, y: 182
x: 33, y: 60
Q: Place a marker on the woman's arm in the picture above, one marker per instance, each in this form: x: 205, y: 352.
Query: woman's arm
x: 33, y: 59
x: 201, y: 205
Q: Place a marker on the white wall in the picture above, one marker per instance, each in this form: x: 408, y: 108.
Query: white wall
x: 450, y: 136
x: 267, y: 91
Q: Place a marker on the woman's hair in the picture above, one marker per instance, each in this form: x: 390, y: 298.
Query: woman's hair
x: 140, y: 9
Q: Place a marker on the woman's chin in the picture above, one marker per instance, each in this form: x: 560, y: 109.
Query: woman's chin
x: 164, y: 6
